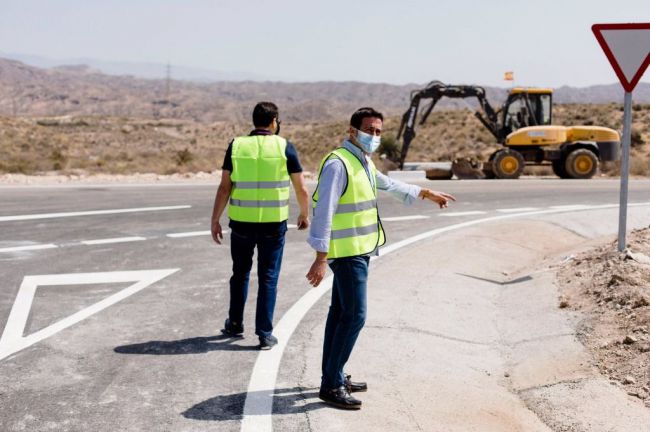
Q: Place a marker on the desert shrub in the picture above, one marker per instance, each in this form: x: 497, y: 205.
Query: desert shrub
x: 636, y: 139
x: 58, y: 158
x: 183, y: 157
x: 18, y: 165
x: 389, y: 147
x: 639, y: 165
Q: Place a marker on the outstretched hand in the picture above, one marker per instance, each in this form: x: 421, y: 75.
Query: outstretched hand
x: 440, y: 198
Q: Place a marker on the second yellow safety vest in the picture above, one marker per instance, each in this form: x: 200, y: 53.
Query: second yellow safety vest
x: 260, y: 179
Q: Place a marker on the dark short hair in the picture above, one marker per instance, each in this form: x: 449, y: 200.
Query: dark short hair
x: 361, y: 113
x: 264, y: 113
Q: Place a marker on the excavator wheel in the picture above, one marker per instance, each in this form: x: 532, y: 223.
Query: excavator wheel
x: 488, y: 167
x: 581, y: 164
x: 558, y: 168
x: 508, y: 164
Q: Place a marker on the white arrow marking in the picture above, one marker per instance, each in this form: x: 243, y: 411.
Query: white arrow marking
x: 12, y: 339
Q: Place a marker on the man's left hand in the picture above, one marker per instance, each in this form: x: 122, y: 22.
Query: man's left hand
x: 440, y: 198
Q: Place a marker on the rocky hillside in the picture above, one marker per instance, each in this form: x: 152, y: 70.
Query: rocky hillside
x: 80, y: 91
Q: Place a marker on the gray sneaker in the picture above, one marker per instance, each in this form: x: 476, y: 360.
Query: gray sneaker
x: 268, y: 342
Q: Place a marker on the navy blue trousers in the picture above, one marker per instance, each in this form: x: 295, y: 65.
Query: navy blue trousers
x: 269, y: 260
x: 347, y: 315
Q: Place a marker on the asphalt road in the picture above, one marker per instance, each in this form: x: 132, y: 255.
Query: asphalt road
x: 151, y: 358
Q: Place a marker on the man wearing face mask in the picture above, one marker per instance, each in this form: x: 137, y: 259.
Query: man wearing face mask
x: 257, y: 172
x: 345, y: 232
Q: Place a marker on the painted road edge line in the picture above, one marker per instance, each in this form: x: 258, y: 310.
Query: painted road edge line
x: 467, y: 213
x: 403, y: 218
x: 88, y: 213
x: 112, y: 240
x: 517, y: 210
x: 258, y: 406
x: 191, y: 234
x: 29, y: 247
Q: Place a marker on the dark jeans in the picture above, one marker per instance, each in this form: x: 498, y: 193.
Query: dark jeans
x: 346, y: 317
x: 269, y: 260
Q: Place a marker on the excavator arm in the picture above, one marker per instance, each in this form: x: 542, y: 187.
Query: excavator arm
x: 435, y: 91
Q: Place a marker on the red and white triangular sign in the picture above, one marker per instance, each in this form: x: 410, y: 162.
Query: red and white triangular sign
x: 627, y: 47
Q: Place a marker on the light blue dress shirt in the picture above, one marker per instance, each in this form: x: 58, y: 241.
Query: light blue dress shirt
x: 331, y: 184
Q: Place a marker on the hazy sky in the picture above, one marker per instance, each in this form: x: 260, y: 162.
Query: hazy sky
x: 545, y: 42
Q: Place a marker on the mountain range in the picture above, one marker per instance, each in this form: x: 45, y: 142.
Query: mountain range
x: 81, y: 89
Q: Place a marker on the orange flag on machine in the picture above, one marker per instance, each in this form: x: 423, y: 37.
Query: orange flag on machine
x: 509, y: 76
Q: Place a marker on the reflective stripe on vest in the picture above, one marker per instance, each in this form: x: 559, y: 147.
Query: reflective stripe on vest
x: 356, y: 228
x: 260, y: 191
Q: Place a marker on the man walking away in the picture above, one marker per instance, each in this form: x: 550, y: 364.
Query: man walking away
x: 254, y: 185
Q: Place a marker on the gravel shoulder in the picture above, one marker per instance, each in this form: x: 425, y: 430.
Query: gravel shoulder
x: 612, y: 291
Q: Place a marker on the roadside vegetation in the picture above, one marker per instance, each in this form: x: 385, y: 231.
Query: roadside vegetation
x: 120, y: 145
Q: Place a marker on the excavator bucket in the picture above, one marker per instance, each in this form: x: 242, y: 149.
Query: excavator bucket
x: 467, y: 169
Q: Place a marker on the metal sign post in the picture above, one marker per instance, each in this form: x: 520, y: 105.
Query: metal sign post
x: 627, y: 47
x: 625, y: 169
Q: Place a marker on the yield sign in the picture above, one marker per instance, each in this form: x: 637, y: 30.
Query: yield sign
x: 12, y: 339
x: 627, y: 47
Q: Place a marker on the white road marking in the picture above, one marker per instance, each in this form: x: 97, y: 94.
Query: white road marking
x: 12, y: 339
x: 517, y: 210
x: 467, y: 213
x: 88, y: 213
x: 112, y: 240
x: 29, y: 247
x: 192, y: 234
x: 570, y: 207
x: 403, y: 218
x: 258, y: 406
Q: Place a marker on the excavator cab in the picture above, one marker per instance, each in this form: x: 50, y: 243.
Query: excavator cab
x: 526, y: 107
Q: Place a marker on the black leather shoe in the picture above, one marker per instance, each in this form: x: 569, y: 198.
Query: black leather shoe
x: 268, y: 342
x: 340, y: 398
x: 232, y: 329
x: 354, y: 387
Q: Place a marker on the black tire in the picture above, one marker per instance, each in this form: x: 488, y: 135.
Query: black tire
x: 581, y: 164
x: 558, y: 168
x: 488, y: 167
x: 488, y: 171
x: 508, y: 164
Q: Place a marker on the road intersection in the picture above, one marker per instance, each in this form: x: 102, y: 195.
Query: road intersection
x: 134, y: 357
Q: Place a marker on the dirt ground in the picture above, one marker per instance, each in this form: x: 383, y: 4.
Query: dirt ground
x: 612, y: 289
x: 128, y: 145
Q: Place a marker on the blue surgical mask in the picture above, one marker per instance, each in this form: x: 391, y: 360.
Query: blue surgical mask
x: 368, y: 143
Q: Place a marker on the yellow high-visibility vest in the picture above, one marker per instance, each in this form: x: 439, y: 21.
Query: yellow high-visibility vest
x: 356, y: 228
x: 260, y: 179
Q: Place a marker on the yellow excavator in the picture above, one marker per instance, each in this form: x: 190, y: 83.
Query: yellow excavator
x: 523, y: 127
